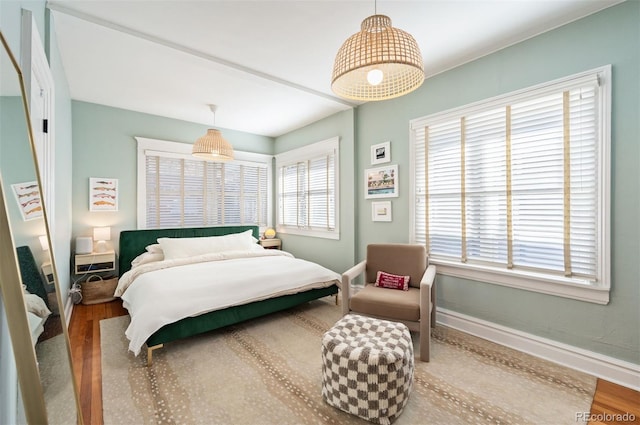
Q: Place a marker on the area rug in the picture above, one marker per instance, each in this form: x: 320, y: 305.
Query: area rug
x: 57, y: 382
x: 268, y: 371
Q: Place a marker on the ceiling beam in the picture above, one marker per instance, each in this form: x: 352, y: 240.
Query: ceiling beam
x: 184, y: 49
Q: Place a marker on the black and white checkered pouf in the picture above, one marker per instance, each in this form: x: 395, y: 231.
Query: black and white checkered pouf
x: 367, y: 367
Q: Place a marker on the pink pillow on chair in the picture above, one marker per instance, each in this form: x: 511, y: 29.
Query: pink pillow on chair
x: 392, y: 281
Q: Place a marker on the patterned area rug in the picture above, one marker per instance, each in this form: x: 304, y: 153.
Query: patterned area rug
x: 268, y: 371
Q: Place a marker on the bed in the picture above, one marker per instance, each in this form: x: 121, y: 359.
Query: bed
x: 133, y: 243
x: 35, y: 292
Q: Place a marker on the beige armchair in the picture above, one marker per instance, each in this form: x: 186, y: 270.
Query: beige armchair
x: 415, y: 307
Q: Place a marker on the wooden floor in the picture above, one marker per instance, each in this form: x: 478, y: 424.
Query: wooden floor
x: 84, y: 334
x: 610, y: 402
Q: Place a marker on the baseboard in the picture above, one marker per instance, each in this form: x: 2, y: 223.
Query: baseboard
x: 605, y: 367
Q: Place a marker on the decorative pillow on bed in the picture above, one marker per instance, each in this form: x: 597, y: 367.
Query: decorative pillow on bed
x: 35, y: 304
x: 147, y: 257
x: 154, y: 248
x: 189, y: 247
x: 392, y: 281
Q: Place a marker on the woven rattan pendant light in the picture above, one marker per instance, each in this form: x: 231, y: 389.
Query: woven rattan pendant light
x: 380, y: 62
x: 212, y: 146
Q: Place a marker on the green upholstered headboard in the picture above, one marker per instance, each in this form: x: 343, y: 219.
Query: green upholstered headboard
x: 30, y: 273
x: 134, y: 242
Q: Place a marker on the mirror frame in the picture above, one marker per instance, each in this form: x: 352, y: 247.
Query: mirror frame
x: 24, y: 351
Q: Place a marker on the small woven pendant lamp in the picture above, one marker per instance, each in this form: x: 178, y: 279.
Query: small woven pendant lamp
x: 212, y: 146
x: 380, y: 62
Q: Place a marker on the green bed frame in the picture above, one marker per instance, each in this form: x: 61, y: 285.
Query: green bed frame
x: 134, y: 242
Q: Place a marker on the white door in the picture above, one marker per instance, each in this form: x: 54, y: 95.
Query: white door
x: 40, y: 92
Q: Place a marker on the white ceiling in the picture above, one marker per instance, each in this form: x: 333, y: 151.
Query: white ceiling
x: 267, y: 64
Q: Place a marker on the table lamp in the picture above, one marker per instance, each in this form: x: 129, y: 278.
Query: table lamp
x: 101, y: 235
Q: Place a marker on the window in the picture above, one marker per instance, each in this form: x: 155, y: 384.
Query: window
x: 307, y: 181
x: 177, y: 190
x: 514, y: 190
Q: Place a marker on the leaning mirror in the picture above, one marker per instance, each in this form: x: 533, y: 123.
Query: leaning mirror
x: 31, y: 301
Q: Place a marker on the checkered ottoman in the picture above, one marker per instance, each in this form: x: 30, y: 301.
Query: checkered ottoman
x: 367, y: 367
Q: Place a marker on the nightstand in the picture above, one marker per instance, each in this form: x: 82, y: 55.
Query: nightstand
x: 49, y: 285
x: 95, y: 262
x: 97, y: 286
x: 273, y: 243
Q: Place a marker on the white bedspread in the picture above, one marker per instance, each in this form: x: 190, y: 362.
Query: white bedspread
x: 164, y: 292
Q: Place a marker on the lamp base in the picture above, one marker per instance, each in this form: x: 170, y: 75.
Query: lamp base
x: 101, y: 246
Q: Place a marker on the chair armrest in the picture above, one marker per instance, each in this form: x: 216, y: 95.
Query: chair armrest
x: 427, y: 300
x: 354, y: 271
x: 428, y: 277
x: 347, y: 278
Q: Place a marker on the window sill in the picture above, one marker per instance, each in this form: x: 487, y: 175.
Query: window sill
x: 311, y: 233
x: 528, y: 281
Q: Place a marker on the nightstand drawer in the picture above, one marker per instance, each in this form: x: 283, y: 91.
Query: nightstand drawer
x: 273, y: 243
x: 95, y: 262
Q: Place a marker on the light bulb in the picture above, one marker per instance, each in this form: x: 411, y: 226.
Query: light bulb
x: 374, y: 77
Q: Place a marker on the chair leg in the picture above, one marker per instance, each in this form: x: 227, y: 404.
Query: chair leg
x: 425, y: 337
x: 433, y: 305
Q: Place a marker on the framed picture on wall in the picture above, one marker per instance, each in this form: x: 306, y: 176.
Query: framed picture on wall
x: 28, y: 198
x: 381, y: 211
x: 381, y: 153
x: 103, y: 194
x: 381, y: 182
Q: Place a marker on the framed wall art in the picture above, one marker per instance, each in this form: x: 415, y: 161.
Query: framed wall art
x: 103, y: 194
x: 381, y: 182
x: 381, y: 211
x: 29, y: 200
x: 381, y: 153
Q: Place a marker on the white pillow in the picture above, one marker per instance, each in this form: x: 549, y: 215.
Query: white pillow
x: 36, y: 305
x: 189, y: 247
x: 147, y: 257
x: 155, y: 248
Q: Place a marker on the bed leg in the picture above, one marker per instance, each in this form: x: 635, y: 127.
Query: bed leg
x: 336, y: 298
x: 150, y: 353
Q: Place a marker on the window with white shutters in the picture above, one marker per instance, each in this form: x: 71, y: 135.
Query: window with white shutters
x: 178, y: 190
x: 514, y: 190
x: 307, y: 184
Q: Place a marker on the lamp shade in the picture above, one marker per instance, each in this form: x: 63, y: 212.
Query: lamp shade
x: 102, y: 233
x: 269, y: 233
x: 379, y: 62
x: 213, y: 147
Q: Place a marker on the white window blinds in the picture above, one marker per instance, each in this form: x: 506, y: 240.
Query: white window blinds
x: 307, y: 189
x: 186, y: 192
x: 515, y: 183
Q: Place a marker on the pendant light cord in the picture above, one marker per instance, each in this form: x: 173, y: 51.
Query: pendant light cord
x: 213, y: 108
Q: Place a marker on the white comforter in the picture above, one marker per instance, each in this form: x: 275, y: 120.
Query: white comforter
x: 164, y: 292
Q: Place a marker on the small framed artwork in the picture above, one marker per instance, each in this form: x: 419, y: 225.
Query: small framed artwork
x: 381, y: 211
x: 103, y: 194
x: 381, y: 153
x: 381, y: 182
x: 28, y: 198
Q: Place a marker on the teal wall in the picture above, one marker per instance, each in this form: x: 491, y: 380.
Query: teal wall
x: 17, y: 166
x: 104, y: 145
x: 10, y: 19
x: 609, y: 37
x: 62, y: 128
x: 337, y: 255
